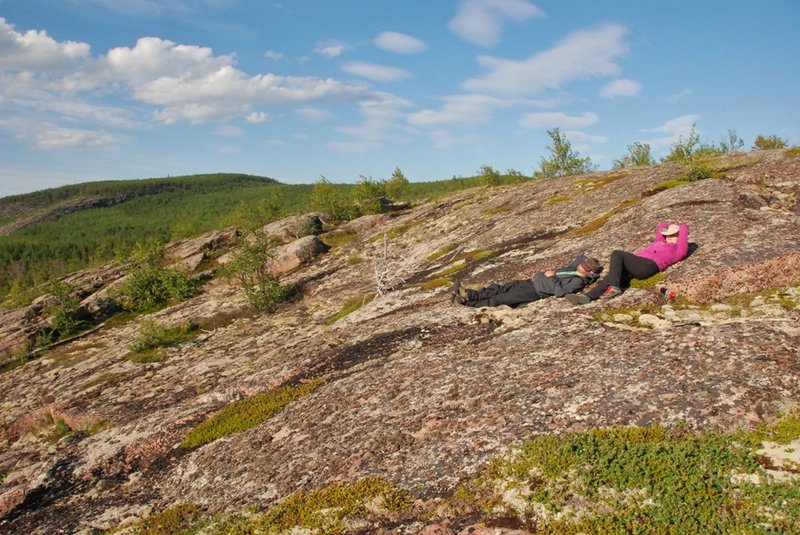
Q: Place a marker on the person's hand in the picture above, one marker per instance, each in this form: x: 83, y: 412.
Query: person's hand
x: 549, y: 273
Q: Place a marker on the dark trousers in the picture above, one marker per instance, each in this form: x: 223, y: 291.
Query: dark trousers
x: 511, y: 294
x: 623, y: 267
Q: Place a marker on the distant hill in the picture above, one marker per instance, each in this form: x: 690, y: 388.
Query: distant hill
x: 49, y: 233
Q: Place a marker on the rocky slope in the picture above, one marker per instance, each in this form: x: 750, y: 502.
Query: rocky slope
x: 417, y: 390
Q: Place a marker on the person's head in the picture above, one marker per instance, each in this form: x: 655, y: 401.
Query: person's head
x: 589, y: 266
x: 670, y: 233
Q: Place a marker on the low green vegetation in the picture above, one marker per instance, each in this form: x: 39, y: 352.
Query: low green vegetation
x: 153, y: 336
x: 649, y: 283
x: 246, y: 414
x: 177, y: 520
x: 349, y: 307
x: 648, y: 480
x: 449, y: 248
x: 251, y: 268
x: 150, y: 286
x: 437, y: 283
x: 641, y: 480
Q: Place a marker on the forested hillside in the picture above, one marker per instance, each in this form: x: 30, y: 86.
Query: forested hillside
x: 49, y: 233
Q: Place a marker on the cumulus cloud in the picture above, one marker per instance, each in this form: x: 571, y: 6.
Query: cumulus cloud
x: 314, y: 114
x: 674, y: 130
x: 379, y: 73
x: 381, y: 123
x: 558, y: 119
x: 255, y: 117
x: 331, y: 51
x: 61, y: 82
x: 581, y: 55
x: 50, y: 136
x: 400, y: 43
x: 460, y: 110
x: 481, y: 21
x: 621, y: 88
x: 35, y: 50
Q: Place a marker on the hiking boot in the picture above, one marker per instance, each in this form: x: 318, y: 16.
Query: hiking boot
x: 578, y: 299
x: 611, y: 291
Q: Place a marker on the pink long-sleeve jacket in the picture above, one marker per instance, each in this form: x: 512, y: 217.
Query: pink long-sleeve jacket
x: 665, y: 254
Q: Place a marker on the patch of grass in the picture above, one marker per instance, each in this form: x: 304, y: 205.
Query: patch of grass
x: 495, y: 211
x: 338, y: 239
x: 794, y: 151
x: 437, y: 283
x: 449, y: 248
x: 669, y: 184
x: 556, y: 199
x: 355, y: 260
x: 639, y: 480
x: 591, y: 184
x: 173, y: 521
x: 99, y: 427
x: 600, y: 221
x: 349, y: 307
x: 153, y: 336
x: 331, y: 509
x: 59, y: 430
x: 450, y: 270
x: 396, y: 231
x: 246, y: 414
x: 648, y: 284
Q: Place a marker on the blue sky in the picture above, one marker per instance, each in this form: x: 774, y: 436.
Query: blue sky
x: 299, y: 89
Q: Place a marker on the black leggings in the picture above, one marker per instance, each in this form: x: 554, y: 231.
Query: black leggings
x: 511, y: 294
x: 623, y: 267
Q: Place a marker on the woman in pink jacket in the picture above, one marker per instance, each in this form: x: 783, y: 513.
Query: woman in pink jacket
x: 671, y: 246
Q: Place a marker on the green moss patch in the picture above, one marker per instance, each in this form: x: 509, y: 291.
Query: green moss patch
x: 794, y: 151
x: 495, y: 211
x: 246, y: 414
x: 591, y: 184
x: 437, y: 283
x: 350, y: 307
x: 449, y: 248
x: 556, y: 199
x: 600, y: 221
x: 337, y: 239
x: 639, y: 480
x: 152, y: 337
x: 648, y: 284
x: 173, y: 521
x: 449, y: 271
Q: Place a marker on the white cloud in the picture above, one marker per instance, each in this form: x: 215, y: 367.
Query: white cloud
x: 380, y: 73
x: 381, y: 123
x: 330, y: 51
x: 675, y: 129
x: 578, y: 136
x: 621, y: 88
x: 672, y: 99
x: 581, y: 55
x: 60, y: 138
x: 255, y: 117
x: 400, y: 43
x: 460, y: 110
x: 271, y: 54
x: 35, y: 50
x: 227, y: 130
x: 558, y: 119
x: 314, y: 114
x: 481, y: 21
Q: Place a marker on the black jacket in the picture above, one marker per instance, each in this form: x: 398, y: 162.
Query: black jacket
x: 565, y: 281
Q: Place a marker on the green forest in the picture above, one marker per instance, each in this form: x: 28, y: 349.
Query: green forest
x: 167, y: 209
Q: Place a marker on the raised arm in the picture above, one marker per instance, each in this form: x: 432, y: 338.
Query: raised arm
x: 683, y: 241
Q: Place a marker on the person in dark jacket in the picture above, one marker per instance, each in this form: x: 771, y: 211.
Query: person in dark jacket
x: 553, y: 282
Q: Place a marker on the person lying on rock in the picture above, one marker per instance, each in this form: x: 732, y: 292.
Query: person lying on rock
x: 553, y: 282
x: 671, y: 246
